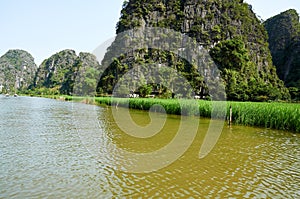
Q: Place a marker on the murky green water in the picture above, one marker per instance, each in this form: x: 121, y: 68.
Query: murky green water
x: 54, y: 149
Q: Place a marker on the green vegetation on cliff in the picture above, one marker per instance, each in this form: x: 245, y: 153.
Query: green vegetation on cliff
x: 66, y: 73
x: 229, y: 29
x: 284, y: 39
x: 17, y: 70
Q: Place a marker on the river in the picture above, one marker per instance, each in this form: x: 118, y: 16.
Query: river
x: 57, y: 149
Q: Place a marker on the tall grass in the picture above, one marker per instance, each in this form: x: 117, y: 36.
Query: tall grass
x: 281, y: 116
x: 170, y: 106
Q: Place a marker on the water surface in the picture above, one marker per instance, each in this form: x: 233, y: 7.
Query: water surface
x: 43, y: 153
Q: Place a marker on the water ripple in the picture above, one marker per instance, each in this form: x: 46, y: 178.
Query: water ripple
x: 42, y: 156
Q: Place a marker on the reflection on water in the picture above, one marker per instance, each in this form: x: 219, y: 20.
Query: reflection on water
x: 43, y: 155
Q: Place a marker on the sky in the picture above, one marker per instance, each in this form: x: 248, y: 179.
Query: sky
x: 45, y: 27
x: 269, y: 8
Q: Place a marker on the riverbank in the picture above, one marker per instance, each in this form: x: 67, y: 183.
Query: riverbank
x: 275, y: 115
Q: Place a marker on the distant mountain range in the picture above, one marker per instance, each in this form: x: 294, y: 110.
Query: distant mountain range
x: 238, y: 42
x: 56, y: 75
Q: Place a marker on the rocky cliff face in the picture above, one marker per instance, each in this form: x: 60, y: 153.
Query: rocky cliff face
x: 17, y: 70
x: 56, y: 71
x: 59, y: 72
x: 227, y: 28
x: 284, y: 40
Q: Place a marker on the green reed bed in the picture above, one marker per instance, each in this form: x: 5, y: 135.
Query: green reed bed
x: 170, y: 106
x: 282, y: 116
x: 87, y: 100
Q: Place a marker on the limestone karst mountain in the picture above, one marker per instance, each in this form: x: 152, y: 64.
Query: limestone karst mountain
x: 228, y: 29
x: 284, y: 39
x: 17, y: 71
x: 64, y: 71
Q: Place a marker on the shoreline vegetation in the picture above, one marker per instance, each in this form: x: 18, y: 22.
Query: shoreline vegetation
x: 272, y: 115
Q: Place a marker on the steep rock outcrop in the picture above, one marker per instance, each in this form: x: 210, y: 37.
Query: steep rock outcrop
x: 284, y: 40
x: 17, y: 70
x: 217, y: 25
x: 56, y: 71
x: 58, y: 74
